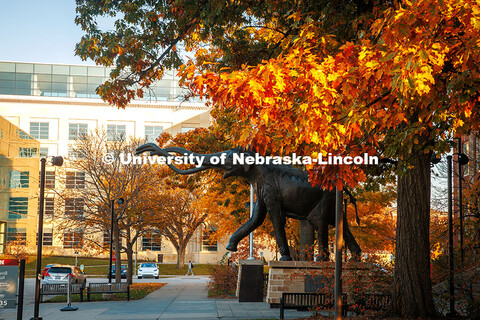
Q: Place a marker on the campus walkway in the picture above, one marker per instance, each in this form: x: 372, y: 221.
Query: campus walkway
x: 182, y: 298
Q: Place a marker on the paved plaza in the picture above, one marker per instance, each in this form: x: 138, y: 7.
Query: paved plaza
x: 182, y: 298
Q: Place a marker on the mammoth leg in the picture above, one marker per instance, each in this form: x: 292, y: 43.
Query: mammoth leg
x: 319, y: 218
x: 322, y: 231
x: 350, y: 241
x: 278, y: 222
x: 258, y: 216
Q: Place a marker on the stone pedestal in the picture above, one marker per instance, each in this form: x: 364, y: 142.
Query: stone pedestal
x: 296, y: 276
x: 250, y: 281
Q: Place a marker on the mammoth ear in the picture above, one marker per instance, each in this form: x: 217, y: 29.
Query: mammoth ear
x: 246, y: 167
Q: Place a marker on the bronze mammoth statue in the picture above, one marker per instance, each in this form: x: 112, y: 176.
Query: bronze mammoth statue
x: 281, y: 190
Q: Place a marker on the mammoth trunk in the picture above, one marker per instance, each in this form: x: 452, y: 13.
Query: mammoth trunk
x: 254, y: 222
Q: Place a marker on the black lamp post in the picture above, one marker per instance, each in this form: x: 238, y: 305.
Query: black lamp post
x: 462, y: 160
x: 338, y: 252
x: 56, y: 161
x: 112, y: 211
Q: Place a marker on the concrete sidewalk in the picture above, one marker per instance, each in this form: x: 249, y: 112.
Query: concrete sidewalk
x: 182, y: 298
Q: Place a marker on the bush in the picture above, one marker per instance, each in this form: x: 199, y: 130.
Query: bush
x: 223, y: 282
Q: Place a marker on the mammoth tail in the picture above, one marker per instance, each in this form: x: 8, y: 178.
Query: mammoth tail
x: 354, y: 202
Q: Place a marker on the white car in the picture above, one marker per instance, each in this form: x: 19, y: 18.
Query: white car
x: 57, y: 274
x: 148, y: 269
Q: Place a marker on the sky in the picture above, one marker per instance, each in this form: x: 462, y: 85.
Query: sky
x: 39, y: 31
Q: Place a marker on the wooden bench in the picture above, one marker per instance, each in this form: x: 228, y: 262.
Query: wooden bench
x: 375, y: 301
x: 121, y: 287
x: 61, y: 289
x: 304, y: 301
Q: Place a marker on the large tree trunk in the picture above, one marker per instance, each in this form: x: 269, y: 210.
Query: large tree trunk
x: 181, y: 255
x: 118, y: 255
x: 413, y: 288
x: 129, y: 252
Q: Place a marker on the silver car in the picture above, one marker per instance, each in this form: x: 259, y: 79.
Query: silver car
x: 58, y: 274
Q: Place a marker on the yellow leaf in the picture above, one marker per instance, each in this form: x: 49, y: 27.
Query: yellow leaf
x: 265, y: 118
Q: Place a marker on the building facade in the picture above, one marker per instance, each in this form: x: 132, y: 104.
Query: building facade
x: 18, y: 187
x: 54, y: 103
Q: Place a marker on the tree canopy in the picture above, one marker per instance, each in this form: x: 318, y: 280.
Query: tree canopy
x: 397, y: 79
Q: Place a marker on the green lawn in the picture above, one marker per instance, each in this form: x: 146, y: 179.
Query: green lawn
x: 99, y: 267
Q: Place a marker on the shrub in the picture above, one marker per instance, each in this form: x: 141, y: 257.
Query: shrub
x: 223, y: 282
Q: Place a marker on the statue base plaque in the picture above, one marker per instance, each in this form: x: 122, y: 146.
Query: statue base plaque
x: 250, y: 281
x: 300, y: 276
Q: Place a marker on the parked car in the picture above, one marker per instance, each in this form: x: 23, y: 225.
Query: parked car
x: 123, y: 272
x: 58, y: 274
x: 148, y: 270
x: 44, y: 271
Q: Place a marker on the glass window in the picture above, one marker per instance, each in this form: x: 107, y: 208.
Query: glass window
x: 186, y: 129
x: 44, y: 78
x: 59, y: 79
x: 116, y: 132
x: 76, y: 154
x: 24, y: 67
x: 19, y: 179
x: 96, y: 71
x: 4, y: 90
x: 59, y: 89
x: 39, y: 130
x: 50, y: 180
x: 23, y: 135
x: 78, y: 71
x: 17, y: 207
x: 17, y: 235
x: 80, y: 90
x: 43, y: 68
x: 75, y: 180
x: 77, y: 130
x: 3, y: 236
x: 72, y: 239
x: 47, y: 237
x: 152, y: 241
x: 23, y: 77
x: 152, y: 132
x: 27, y: 152
x: 7, y: 66
x: 95, y: 81
x: 44, y: 152
x: 60, y: 69
x: 79, y: 80
x: 49, y: 208
x: 207, y: 243
x: 7, y: 76
x: 74, y: 207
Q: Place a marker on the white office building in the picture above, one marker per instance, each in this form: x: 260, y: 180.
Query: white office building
x: 53, y: 102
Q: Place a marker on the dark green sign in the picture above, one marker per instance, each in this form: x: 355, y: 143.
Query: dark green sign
x: 8, y: 284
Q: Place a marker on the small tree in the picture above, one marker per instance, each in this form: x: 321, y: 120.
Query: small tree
x: 100, y: 178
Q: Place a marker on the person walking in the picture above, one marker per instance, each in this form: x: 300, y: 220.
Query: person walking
x: 190, y: 268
